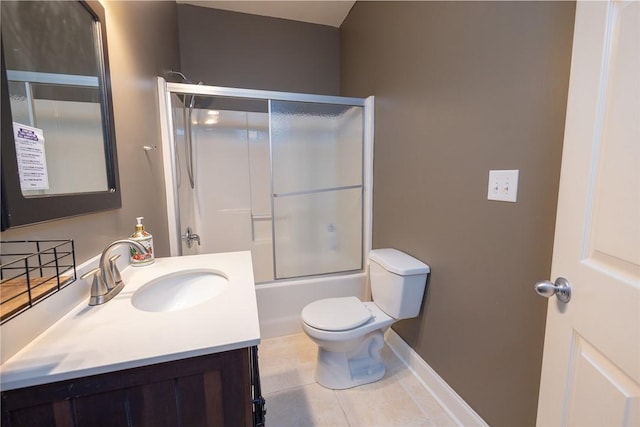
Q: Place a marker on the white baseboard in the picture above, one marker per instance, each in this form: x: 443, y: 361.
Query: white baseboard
x: 450, y: 401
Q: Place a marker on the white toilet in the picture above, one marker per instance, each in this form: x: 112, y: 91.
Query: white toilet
x: 349, y: 332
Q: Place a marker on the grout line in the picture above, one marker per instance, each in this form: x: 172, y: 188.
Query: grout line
x: 285, y: 390
x: 344, y: 411
x: 289, y: 388
x: 420, y: 406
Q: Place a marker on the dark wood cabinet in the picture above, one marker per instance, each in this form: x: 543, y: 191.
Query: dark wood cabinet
x: 212, y: 390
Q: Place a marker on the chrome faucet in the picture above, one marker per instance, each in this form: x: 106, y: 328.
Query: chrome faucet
x: 107, y: 282
x: 190, y: 237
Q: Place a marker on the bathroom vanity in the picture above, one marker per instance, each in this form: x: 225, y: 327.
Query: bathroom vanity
x: 151, y: 356
x: 211, y: 390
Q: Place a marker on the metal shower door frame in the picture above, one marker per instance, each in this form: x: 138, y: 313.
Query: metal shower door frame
x: 166, y: 89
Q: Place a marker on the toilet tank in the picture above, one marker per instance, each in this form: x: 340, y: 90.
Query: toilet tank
x: 397, y: 281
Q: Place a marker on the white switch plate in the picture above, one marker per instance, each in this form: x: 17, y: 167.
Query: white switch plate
x: 503, y: 185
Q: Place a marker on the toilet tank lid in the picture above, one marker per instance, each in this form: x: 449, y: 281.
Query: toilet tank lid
x: 398, y: 262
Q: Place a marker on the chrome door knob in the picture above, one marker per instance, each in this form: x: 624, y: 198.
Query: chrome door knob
x: 561, y: 289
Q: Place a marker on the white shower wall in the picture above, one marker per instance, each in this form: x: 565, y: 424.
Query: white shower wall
x: 226, y: 154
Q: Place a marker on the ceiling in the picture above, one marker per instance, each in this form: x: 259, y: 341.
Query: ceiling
x: 330, y: 13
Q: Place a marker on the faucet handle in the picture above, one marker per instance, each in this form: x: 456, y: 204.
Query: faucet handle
x: 98, y: 287
x: 115, y: 272
x: 190, y: 236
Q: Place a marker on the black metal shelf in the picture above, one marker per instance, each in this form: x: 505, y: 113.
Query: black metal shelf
x: 32, y: 270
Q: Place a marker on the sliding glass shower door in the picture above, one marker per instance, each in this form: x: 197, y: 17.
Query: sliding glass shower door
x: 317, y: 187
x: 279, y: 174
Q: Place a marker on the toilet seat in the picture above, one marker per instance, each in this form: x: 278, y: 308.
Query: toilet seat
x: 379, y: 321
x: 336, y: 314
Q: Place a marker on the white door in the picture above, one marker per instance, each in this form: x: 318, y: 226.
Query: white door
x: 591, y: 363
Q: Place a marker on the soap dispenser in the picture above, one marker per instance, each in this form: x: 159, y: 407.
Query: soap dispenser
x: 145, y: 239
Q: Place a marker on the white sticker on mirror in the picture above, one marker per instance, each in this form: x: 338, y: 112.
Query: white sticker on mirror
x: 30, y: 154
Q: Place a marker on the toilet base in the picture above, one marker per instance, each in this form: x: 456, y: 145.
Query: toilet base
x: 362, y: 365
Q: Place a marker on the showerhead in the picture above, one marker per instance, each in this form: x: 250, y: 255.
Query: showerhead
x: 179, y: 74
x: 183, y: 77
x: 185, y: 80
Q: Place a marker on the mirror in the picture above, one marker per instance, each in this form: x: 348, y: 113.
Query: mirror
x: 58, y: 138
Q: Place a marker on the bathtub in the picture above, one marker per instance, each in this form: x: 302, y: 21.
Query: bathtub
x: 280, y: 303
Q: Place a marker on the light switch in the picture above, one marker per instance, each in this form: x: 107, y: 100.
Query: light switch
x: 503, y: 185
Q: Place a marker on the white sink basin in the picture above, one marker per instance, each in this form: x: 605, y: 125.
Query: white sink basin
x: 179, y: 290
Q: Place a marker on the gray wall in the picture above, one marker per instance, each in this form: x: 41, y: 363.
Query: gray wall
x: 231, y: 49
x: 462, y: 88
x: 142, y: 40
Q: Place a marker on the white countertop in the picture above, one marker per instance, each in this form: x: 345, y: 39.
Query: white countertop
x: 116, y: 335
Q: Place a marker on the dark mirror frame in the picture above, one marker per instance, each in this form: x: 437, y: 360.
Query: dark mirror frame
x: 19, y: 210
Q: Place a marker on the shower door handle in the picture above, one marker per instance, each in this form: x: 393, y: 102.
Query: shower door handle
x: 190, y: 236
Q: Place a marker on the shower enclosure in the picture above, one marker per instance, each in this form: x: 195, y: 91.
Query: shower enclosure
x: 284, y: 175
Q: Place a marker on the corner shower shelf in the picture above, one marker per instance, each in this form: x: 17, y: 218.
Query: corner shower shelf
x: 31, y: 270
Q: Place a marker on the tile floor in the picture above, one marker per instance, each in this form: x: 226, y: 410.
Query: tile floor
x: 295, y: 399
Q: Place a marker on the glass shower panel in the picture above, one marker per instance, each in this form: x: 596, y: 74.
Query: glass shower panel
x: 220, y: 146
x: 315, y: 146
x: 229, y: 205
x: 316, y: 163
x: 318, y: 233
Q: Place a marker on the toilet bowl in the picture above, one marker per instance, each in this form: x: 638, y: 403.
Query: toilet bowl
x: 347, y: 356
x: 350, y: 333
